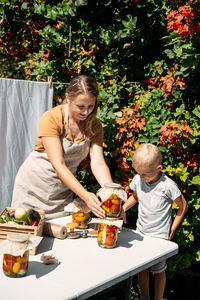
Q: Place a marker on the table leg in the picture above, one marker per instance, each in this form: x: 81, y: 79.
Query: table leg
x: 128, y: 288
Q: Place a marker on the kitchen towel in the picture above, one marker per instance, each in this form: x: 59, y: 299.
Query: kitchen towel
x: 22, y: 104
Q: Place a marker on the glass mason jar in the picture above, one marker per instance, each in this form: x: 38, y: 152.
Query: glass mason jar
x: 107, y: 235
x: 112, y: 195
x: 81, y: 218
x: 15, y: 266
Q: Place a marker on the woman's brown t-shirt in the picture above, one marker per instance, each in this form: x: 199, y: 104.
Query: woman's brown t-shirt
x: 53, y: 123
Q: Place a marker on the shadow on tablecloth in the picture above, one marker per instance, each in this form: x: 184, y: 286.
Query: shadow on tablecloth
x: 126, y: 236
x: 45, y: 245
x: 39, y: 269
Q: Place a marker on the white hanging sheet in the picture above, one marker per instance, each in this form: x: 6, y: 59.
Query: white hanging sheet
x: 22, y: 104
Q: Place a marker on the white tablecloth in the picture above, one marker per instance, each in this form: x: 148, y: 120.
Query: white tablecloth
x: 85, y: 268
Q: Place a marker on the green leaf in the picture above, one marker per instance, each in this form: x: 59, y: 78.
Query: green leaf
x: 143, y: 139
x: 24, y: 5
x: 131, y: 23
x: 80, y: 2
x: 196, y: 111
x: 180, y: 110
x: 169, y: 53
x: 196, y: 180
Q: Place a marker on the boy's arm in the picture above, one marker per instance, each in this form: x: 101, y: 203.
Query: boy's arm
x: 131, y: 201
x: 182, y: 204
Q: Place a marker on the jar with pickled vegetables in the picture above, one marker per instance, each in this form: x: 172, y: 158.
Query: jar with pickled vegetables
x: 112, y: 196
x: 15, y: 266
x: 81, y: 218
x: 15, y: 255
x: 107, y: 235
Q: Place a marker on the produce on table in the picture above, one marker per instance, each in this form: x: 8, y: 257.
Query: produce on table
x: 107, y: 235
x: 112, y: 206
x: 71, y: 226
x: 82, y: 219
x: 21, y: 216
x: 15, y: 266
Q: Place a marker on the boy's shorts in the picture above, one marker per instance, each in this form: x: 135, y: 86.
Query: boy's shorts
x: 159, y: 267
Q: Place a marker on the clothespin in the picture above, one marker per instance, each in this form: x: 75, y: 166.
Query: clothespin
x: 50, y: 80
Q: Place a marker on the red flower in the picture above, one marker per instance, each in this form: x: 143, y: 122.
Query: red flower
x: 28, y: 73
x: 182, y: 20
x: 69, y: 71
x: 173, y: 133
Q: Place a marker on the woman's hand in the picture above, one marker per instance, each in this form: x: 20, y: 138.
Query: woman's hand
x: 94, y: 205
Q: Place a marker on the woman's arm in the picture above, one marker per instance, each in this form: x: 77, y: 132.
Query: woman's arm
x: 54, y: 152
x: 98, y: 165
x: 182, y: 204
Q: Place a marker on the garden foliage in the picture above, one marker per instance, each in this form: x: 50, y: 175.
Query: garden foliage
x: 145, y: 56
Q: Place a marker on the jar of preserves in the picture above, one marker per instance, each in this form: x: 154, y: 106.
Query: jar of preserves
x: 112, y: 195
x: 15, y: 266
x: 107, y: 235
x: 81, y: 218
x: 16, y: 255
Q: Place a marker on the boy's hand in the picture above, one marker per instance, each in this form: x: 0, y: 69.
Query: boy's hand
x: 171, y: 235
x: 123, y: 215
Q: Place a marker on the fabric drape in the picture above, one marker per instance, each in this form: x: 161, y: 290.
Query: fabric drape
x: 22, y: 104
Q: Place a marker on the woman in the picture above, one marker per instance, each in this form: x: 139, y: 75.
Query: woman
x: 67, y: 133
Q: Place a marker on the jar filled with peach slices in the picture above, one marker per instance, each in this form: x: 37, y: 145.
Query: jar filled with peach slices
x: 112, y: 195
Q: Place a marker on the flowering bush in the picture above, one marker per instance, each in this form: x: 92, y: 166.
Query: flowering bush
x: 174, y: 133
x: 184, y: 20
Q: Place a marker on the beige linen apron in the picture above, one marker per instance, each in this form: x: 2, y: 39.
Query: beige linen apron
x: 37, y: 185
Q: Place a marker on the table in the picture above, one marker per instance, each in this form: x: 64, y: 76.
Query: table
x: 85, y: 268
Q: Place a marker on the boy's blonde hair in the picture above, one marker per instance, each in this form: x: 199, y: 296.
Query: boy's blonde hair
x: 147, y: 155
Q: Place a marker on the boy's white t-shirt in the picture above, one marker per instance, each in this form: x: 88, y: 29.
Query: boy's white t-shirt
x: 155, y: 205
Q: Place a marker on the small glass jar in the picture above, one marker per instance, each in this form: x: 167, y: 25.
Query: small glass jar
x: 112, y: 196
x: 107, y: 235
x: 15, y: 266
x: 15, y: 261
x: 81, y: 218
x: 112, y: 206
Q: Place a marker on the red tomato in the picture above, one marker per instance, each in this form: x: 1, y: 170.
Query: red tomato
x: 34, y: 223
x: 110, y: 234
x: 108, y: 202
x: 24, y: 266
x: 114, y: 207
x: 113, y: 227
x: 109, y: 241
x: 12, y: 213
x: 7, y: 265
x: 8, y: 256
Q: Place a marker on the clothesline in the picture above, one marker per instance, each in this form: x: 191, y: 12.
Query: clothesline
x: 50, y: 81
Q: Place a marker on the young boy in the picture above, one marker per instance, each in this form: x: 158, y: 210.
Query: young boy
x: 154, y: 192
